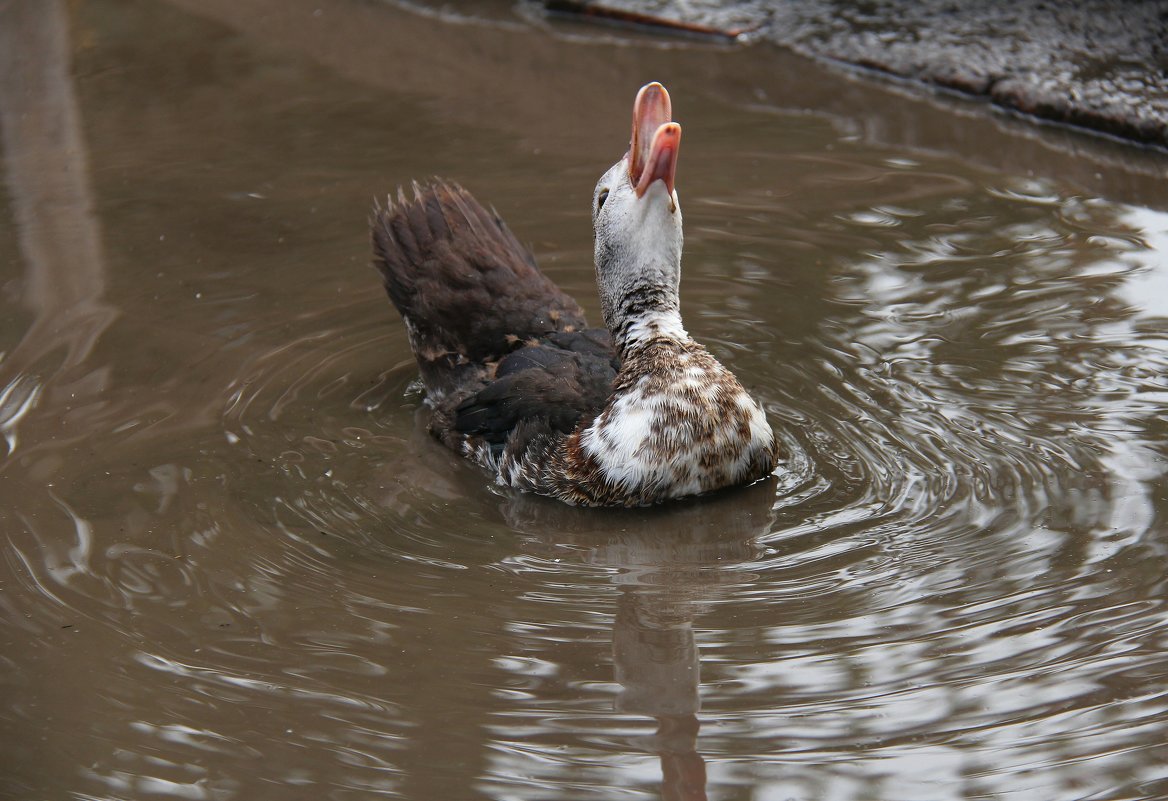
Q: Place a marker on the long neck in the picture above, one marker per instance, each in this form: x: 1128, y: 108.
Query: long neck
x: 638, y: 272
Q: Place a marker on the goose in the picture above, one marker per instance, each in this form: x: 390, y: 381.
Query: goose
x: 632, y: 414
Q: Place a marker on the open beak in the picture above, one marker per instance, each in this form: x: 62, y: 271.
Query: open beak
x: 655, y: 142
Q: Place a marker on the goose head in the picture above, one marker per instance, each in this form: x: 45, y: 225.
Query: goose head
x: 636, y: 218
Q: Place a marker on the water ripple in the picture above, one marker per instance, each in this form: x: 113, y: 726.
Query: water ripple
x: 957, y: 563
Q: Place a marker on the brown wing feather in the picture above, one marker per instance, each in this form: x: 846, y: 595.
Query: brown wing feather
x: 467, y: 289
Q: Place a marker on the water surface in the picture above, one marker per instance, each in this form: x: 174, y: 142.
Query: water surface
x: 236, y: 567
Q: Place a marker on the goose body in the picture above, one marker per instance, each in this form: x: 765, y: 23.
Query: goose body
x: 631, y: 414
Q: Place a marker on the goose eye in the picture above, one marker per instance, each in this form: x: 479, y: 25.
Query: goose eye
x: 603, y: 196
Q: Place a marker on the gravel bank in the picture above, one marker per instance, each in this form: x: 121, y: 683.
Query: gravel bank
x: 1097, y: 64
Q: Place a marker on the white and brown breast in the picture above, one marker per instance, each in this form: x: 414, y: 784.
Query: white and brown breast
x: 677, y: 423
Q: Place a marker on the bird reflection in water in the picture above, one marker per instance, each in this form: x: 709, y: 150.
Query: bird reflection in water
x: 655, y: 661
x: 672, y: 563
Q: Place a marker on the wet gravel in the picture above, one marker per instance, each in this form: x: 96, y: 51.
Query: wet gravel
x: 1098, y: 64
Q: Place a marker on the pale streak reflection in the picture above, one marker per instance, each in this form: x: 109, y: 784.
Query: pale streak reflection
x: 1134, y: 462
x: 1147, y: 288
x: 47, y: 172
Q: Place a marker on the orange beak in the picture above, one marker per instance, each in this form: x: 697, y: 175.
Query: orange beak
x: 655, y: 142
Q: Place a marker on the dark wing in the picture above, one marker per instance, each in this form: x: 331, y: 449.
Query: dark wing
x: 555, y: 384
x: 468, y: 291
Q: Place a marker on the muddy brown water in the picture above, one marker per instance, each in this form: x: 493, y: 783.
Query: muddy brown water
x: 235, y: 567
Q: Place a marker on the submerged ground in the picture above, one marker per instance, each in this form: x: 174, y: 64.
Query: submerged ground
x: 235, y: 567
